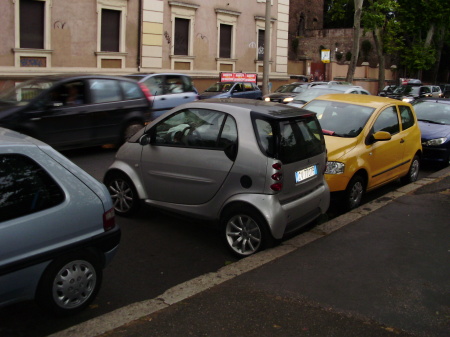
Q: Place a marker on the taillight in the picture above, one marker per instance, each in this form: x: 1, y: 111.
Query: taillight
x: 278, y: 177
x: 109, y: 220
x: 146, y: 92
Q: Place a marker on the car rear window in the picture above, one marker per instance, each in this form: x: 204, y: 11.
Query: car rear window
x: 25, y: 187
x: 290, y: 140
x: 131, y: 90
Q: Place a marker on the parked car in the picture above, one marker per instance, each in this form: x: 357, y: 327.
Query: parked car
x: 256, y: 168
x: 408, y: 93
x: 57, y: 227
x: 286, y: 93
x: 387, y: 90
x: 68, y: 111
x: 232, y: 90
x: 445, y: 88
x: 434, y: 123
x: 166, y: 90
x: 370, y: 140
x: 301, y: 99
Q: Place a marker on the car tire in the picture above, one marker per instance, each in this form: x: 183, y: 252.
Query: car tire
x: 354, y: 192
x: 245, y: 231
x: 70, y: 283
x: 123, y: 194
x: 413, y: 172
x: 130, y: 130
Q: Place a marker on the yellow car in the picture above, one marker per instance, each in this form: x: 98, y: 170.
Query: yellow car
x: 370, y: 140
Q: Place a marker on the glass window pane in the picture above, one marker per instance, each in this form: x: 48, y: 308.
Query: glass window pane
x: 25, y: 187
x: 105, y: 91
x: 110, y: 33
x: 387, y: 121
x: 32, y: 24
x: 225, y: 41
x: 131, y: 90
x: 181, y: 43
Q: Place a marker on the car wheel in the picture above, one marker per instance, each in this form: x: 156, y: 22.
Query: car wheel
x: 70, y: 284
x: 130, y: 130
x: 245, y: 231
x: 123, y: 194
x: 354, y: 192
x: 413, y: 172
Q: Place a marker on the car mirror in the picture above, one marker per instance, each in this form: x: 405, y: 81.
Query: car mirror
x: 145, y: 139
x: 54, y: 104
x: 381, y: 136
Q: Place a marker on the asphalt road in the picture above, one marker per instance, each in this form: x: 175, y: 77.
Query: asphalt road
x: 157, y: 252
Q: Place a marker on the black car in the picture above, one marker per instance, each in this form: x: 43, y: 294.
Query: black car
x: 408, y: 93
x: 69, y: 111
x: 286, y: 93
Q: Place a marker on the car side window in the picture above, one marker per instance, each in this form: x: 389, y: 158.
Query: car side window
x: 68, y: 94
x: 238, y: 87
x: 131, y: 90
x: 387, y: 121
x: 104, y: 90
x: 198, y: 128
x: 25, y: 187
x: 248, y: 87
x: 155, y: 85
x: 174, y: 84
x: 407, y: 117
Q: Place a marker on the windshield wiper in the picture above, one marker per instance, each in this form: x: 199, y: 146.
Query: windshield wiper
x: 429, y: 121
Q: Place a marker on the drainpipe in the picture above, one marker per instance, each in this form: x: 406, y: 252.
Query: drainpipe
x: 139, y: 49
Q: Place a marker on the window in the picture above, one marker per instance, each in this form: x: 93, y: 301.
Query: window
x: 155, y: 85
x: 174, y: 84
x: 387, y: 121
x: 261, y: 34
x: 69, y: 94
x: 225, y: 41
x: 25, y: 187
x: 199, y: 128
x: 32, y: 24
x: 103, y: 91
x: 248, y: 87
x: 181, y: 40
x: 131, y: 90
x: 407, y: 117
x: 110, y: 30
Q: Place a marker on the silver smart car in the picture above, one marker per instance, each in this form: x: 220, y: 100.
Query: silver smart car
x: 254, y: 167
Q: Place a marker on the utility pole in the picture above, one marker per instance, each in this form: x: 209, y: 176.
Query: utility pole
x: 266, y: 65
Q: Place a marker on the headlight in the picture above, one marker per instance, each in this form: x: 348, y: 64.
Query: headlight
x: 288, y: 99
x: 435, y: 142
x: 335, y: 167
x: 408, y: 99
x: 267, y: 99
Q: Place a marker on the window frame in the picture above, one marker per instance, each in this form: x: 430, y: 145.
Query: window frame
x: 46, y: 51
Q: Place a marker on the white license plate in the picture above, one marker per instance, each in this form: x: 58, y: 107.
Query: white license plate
x: 305, y: 173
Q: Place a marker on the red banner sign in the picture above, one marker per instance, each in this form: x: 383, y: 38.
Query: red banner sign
x: 238, y: 77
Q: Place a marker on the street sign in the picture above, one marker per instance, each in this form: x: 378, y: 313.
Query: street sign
x: 325, y: 55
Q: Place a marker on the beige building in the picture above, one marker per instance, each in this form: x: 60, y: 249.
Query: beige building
x: 198, y: 37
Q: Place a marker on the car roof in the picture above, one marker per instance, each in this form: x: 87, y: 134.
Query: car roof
x: 340, y: 87
x: 268, y: 109
x: 365, y: 100
x: 434, y: 100
x: 9, y: 138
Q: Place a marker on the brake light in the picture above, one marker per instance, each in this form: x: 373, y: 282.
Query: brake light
x: 109, y: 220
x: 278, y: 177
x: 146, y: 92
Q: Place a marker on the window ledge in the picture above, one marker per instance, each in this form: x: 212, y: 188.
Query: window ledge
x: 32, y: 51
x: 225, y: 59
x: 185, y: 57
x: 110, y: 53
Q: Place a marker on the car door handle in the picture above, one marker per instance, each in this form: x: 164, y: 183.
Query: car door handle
x: 162, y: 99
x: 186, y: 97
x: 402, y: 141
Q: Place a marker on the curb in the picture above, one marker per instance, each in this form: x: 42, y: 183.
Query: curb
x: 125, y: 315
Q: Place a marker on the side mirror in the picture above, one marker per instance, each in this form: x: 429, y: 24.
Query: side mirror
x: 381, y: 136
x: 145, y: 139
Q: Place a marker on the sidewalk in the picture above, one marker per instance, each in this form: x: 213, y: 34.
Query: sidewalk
x: 386, y: 272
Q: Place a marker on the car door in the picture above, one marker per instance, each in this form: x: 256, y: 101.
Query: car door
x: 187, y: 160
x: 238, y: 91
x: 411, y: 137
x: 62, y: 118
x: 385, y: 157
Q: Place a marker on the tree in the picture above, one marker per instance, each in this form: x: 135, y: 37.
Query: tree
x: 379, y: 18
x: 356, y: 38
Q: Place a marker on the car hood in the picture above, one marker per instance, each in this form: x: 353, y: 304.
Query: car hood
x: 337, y: 147
x: 433, y: 131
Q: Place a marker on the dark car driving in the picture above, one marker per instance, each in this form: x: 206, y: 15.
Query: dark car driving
x: 232, y: 90
x: 69, y: 111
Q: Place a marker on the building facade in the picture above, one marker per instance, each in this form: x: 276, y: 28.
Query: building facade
x: 198, y: 37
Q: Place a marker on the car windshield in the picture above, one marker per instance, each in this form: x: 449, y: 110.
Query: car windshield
x: 433, y: 112
x: 340, y: 119
x: 312, y: 93
x: 290, y: 88
x: 220, y: 87
x: 26, y: 91
x: 406, y: 90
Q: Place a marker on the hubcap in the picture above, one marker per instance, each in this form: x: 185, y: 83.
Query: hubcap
x: 243, y: 234
x: 356, y: 194
x: 121, y: 195
x: 74, y: 284
x: 414, y: 170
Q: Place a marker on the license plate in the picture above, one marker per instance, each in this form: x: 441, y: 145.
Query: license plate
x: 305, y: 173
